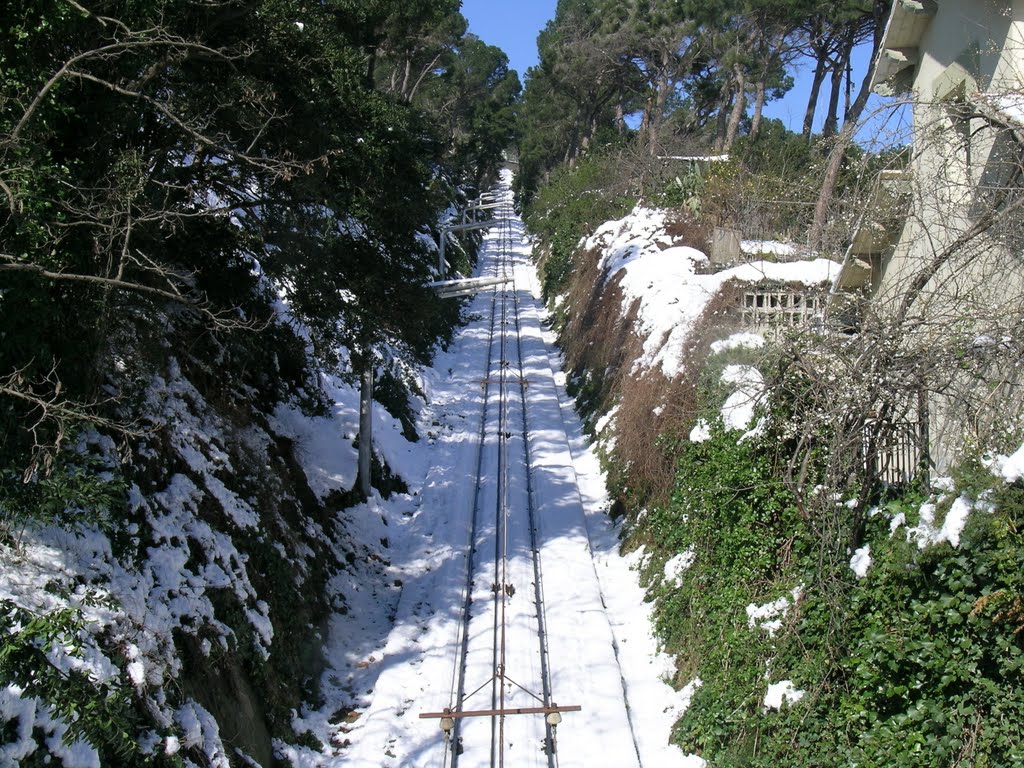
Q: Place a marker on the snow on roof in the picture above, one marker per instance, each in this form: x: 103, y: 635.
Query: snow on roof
x: 1009, y: 105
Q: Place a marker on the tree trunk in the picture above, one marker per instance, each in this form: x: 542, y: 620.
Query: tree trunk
x: 570, y: 148
x: 371, y: 67
x: 662, y: 100
x: 405, y: 76
x: 724, y: 102
x: 419, y: 80
x: 812, y: 100
x: 739, y: 106
x: 831, y: 125
x: 755, y: 120
x: 620, y: 118
x: 839, y: 67
x: 845, y: 137
x: 645, y: 120
x: 366, y: 426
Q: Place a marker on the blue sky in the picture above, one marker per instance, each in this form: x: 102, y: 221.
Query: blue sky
x: 513, y: 25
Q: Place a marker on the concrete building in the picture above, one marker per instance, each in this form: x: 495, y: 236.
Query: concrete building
x: 940, y: 253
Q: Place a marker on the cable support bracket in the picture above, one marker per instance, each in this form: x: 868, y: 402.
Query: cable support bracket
x: 447, y: 712
x: 523, y: 381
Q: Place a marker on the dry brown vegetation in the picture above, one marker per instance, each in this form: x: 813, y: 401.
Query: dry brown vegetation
x: 655, y: 412
x: 686, y: 229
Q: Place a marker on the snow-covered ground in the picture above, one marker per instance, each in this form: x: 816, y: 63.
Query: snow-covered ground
x: 393, y: 640
x: 601, y: 652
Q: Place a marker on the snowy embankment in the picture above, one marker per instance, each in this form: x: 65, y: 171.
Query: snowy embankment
x: 670, y: 289
x: 667, y: 290
x: 665, y: 280
x: 164, y: 602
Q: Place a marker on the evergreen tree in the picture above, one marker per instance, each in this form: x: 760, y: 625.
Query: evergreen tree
x: 172, y: 167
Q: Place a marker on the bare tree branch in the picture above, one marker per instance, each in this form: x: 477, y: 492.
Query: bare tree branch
x: 222, y: 319
x: 60, y: 414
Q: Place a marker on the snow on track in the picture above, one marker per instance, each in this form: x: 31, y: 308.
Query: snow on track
x: 417, y: 668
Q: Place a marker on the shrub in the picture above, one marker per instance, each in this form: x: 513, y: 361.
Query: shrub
x: 102, y: 713
x: 572, y: 205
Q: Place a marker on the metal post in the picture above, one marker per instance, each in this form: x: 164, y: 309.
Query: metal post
x: 442, y: 265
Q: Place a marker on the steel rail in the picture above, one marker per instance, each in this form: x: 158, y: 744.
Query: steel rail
x: 501, y: 530
x: 538, y: 582
x: 505, y: 322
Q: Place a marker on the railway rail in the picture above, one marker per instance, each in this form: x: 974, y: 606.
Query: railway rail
x: 497, y: 716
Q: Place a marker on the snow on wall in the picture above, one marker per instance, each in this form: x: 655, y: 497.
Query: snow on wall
x: 664, y: 279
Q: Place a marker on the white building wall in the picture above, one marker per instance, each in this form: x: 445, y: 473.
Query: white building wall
x: 962, y: 168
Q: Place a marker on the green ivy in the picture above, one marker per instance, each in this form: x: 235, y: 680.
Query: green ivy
x: 731, y: 511
x: 920, y: 663
x: 571, y: 206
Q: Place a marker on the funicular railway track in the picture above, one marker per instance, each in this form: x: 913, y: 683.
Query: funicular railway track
x: 500, y: 701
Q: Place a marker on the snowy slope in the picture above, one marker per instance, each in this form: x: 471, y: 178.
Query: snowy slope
x: 208, y: 527
x: 665, y: 280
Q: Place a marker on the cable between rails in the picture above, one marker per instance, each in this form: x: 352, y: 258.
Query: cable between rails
x: 533, y: 523
x: 458, y: 683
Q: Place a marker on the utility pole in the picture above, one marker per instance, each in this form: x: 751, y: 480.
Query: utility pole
x: 366, y: 424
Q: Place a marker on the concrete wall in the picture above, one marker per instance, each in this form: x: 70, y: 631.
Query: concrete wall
x: 963, y: 169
